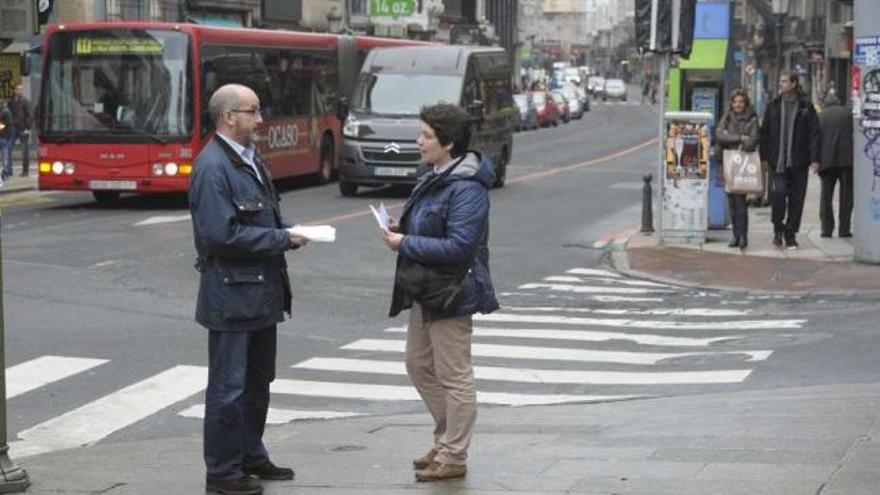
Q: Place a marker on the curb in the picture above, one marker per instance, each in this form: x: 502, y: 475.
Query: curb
x: 5, y: 191
x: 620, y: 263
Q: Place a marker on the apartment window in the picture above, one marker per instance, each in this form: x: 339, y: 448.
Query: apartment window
x: 114, y: 10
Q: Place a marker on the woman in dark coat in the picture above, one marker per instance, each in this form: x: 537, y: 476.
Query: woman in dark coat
x: 444, y: 228
x: 738, y: 129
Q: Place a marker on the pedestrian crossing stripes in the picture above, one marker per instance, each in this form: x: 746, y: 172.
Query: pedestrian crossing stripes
x: 606, y: 346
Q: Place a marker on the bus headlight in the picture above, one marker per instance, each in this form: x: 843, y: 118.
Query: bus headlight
x: 171, y: 168
x: 45, y: 167
x: 57, y: 168
x: 186, y: 169
x: 158, y: 169
x: 69, y: 168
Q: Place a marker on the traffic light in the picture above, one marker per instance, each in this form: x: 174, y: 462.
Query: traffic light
x: 44, y: 9
x: 18, y: 19
x: 672, y: 17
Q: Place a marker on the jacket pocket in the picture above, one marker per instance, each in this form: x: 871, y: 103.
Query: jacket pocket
x: 243, y: 295
x: 250, y: 210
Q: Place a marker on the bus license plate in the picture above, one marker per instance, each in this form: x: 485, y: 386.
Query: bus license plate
x: 117, y: 185
x: 393, y: 171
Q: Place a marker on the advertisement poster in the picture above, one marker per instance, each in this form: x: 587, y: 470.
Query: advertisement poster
x: 867, y: 59
x: 687, y: 151
x: 685, y: 181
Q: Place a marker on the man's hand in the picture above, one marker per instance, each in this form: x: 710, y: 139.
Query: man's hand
x: 392, y: 239
x: 298, y: 240
x: 393, y: 224
x: 814, y: 167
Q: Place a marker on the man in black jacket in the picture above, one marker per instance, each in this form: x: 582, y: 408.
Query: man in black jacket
x: 22, y: 121
x: 791, y: 144
x: 837, y: 165
x: 244, y: 292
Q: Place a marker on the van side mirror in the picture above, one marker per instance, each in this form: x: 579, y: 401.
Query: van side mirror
x: 342, y: 108
x: 475, y: 110
x: 25, y: 66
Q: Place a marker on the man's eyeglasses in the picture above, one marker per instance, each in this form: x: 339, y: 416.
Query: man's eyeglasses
x: 252, y: 111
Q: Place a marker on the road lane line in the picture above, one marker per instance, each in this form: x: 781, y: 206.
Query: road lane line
x: 579, y: 280
x: 625, y: 311
x: 616, y: 299
x: 589, y: 336
x: 559, y: 354
x: 593, y: 272
x: 589, y: 289
x: 160, y: 219
x: 39, y: 372
x: 372, y: 392
x: 654, y: 324
x: 96, y: 420
x: 523, y: 375
x: 277, y: 416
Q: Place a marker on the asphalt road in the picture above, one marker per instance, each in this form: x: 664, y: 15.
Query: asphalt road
x: 102, y: 345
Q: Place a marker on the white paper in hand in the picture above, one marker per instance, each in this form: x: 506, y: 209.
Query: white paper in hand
x: 315, y: 233
x: 381, y: 215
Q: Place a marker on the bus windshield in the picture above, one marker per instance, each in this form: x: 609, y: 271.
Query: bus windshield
x: 123, y: 83
x: 404, y: 94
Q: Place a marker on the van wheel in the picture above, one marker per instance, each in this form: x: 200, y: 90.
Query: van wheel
x: 501, y: 170
x: 348, y: 189
x: 325, y: 173
x: 106, y: 197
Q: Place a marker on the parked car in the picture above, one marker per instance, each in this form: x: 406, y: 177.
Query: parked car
x: 548, y: 114
x: 595, y: 85
x: 562, y: 105
x: 528, y: 114
x: 575, y: 108
x: 614, y: 88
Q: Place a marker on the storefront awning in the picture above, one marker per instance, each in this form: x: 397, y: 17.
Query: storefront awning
x: 707, y: 55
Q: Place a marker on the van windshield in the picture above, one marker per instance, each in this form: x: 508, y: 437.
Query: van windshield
x: 404, y: 94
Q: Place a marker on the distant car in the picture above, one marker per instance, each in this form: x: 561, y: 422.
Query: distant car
x: 528, y: 114
x: 548, y: 114
x: 595, y: 85
x: 614, y: 88
x: 575, y: 108
x: 562, y: 104
x: 572, y: 75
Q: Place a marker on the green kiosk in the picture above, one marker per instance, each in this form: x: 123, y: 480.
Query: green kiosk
x: 702, y: 83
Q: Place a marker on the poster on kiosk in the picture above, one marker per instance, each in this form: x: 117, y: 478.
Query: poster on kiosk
x: 685, y: 177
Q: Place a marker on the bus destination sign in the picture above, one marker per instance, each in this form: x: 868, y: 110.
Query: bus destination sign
x: 96, y: 46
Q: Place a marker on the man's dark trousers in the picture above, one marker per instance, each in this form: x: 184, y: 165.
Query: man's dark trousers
x: 787, y: 196
x: 242, y: 365
x: 826, y: 212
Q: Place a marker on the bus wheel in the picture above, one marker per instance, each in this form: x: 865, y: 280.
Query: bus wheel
x: 325, y: 173
x: 501, y: 169
x: 106, y: 197
x: 348, y: 189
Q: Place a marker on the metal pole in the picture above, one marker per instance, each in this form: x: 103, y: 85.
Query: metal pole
x: 661, y: 138
x: 12, y: 478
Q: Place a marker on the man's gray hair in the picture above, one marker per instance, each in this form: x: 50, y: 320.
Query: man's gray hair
x: 227, y: 97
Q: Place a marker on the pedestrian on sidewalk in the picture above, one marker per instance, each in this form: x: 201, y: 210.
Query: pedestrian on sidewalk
x: 22, y: 121
x: 5, y: 144
x: 837, y: 165
x: 738, y: 129
x: 244, y: 292
x: 791, y: 145
x: 442, y: 276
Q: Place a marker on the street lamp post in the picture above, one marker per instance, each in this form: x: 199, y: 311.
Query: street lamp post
x: 780, y: 10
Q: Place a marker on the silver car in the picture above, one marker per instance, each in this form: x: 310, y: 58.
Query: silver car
x: 614, y: 88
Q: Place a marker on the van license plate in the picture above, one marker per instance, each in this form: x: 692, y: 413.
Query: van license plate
x: 117, y: 185
x: 393, y: 171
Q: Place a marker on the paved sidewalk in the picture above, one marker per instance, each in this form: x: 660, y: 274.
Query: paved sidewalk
x: 799, y: 441
x: 818, y: 265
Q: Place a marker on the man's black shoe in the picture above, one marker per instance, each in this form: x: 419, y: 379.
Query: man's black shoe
x: 825, y: 234
x: 790, y: 242
x: 245, y: 485
x: 777, y: 239
x: 269, y: 471
x: 845, y: 234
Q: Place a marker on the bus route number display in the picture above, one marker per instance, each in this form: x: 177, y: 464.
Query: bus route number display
x: 97, y: 46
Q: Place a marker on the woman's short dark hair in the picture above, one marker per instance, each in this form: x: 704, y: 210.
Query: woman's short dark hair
x: 451, y: 124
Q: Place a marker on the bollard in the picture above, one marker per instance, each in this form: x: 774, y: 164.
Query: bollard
x: 12, y: 477
x: 647, y: 205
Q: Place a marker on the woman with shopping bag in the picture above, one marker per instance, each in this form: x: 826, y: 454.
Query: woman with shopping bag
x: 736, y: 139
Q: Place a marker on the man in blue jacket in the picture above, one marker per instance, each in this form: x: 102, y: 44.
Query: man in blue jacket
x: 244, y: 292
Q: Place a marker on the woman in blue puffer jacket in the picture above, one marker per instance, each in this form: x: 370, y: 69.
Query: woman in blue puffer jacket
x: 445, y: 225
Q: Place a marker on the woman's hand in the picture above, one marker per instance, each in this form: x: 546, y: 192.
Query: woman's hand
x: 392, y: 239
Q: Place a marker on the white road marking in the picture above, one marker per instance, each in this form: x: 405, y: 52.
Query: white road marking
x: 625, y: 299
x: 624, y: 311
x: 277, y: 416
x: 594, y: 272
x: 588, y: 336
x: 636, y: 283
x: 366, y: 391
x: 654, y: 324
x: 95, y: 420
x: 558, y: 354
x: 538, y: 375
x: 36, y: 373
x: 588, y: 289
x: 163, y: 219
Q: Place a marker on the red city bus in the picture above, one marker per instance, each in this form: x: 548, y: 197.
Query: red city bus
x: 123, y: 105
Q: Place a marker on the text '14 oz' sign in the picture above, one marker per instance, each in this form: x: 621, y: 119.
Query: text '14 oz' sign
x: 389, y: 8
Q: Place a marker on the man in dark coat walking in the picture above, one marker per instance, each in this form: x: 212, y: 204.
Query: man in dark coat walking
x: 244, y: 292
x: 22, y: 121
x: 837, y: 166
x: 790, y: 146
